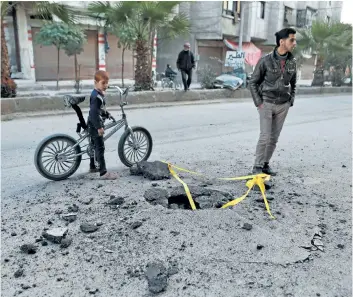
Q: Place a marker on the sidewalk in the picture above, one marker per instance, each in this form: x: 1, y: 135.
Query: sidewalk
x: 48, y: 88
x: 41, y: 103
x: 28, y: 88
x: 30, y: 85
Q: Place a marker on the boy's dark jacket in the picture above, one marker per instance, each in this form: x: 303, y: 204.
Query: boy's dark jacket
x: 97, y: 111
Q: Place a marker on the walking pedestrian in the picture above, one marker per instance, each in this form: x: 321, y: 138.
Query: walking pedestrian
x: 185, y: 64
x: 273, y: 86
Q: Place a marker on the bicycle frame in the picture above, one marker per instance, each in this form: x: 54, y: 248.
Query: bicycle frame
x: 116, y: 125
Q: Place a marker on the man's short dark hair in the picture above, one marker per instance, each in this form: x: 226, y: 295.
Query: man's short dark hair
x: 284, y: 34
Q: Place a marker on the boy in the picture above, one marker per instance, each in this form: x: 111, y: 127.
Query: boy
x: 97, y: 114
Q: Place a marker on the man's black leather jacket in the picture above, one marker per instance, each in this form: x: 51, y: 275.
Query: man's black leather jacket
x: 269, y: 84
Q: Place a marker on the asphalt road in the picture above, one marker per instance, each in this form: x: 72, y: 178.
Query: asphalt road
x: 313, y: 156
x: 179, y: 133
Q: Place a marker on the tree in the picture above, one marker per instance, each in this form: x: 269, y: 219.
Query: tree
x: 325, y: 40
x: 126, y: 41
x: 8, y: 86
x: 74, y: 47
x: 42, y: 8
x: 144, y: 18
x: 298, y: 57
x: 59, y: 35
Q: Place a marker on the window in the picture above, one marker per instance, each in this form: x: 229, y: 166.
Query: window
x: 288, y: 16
x: 231, y: 7
x: 310, y: 16
x: 262, y: 9
x: 228, y: 7
x: 301, y: 13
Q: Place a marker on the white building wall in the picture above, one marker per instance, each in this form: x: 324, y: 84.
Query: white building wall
x: 25, y: 43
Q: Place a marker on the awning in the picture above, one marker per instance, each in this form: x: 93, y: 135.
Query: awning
x: 252, y: 52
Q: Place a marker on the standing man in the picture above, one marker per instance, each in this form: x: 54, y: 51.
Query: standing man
x: 185, y: 63
x: 272, y: 87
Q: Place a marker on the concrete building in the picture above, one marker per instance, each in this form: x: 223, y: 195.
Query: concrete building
x: 39, y: 63
x: 215, y: 27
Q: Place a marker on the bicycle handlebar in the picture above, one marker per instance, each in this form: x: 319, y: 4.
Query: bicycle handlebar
x: 125, y: 93
x: 119, y: 89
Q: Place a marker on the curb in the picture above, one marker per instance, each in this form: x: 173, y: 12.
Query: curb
x: 69, y: 111
x: 11, y: 106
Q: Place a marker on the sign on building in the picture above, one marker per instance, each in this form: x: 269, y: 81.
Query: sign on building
x: 235, y: 59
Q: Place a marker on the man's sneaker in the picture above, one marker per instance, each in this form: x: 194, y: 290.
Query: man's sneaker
x: 267, y: 170
x: 257, y: 170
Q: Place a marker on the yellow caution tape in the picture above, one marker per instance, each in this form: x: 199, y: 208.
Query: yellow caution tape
x: 253, y: 180
x: 186, y: 188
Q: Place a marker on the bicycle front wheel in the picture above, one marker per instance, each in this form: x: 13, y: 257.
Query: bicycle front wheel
x: 130, y: 153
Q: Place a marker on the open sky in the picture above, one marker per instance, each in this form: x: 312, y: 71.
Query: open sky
x: 347, y: 16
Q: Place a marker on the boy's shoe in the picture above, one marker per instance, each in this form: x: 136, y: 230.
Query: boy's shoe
x: 108, y: 176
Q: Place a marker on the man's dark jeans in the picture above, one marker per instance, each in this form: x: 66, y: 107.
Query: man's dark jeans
x: 99, y: 148
x: 187, y: 82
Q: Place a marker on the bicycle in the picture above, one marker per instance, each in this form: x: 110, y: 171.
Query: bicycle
x: 63, y: 153
x: 170, y: 82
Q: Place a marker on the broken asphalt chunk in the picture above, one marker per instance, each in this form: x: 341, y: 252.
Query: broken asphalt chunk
x: 152, y: 170
x: 157, y: 277
x: 29, y: 248
x: 55, y: 235
x: 136, y: 225
x: 247, y: 226
x: 65, y: 243
x: 70, y: 217
x: 116, y: 200
x: 73, y: 208
x: 88, y: 228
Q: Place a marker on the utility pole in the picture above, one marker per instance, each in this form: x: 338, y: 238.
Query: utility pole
x: 241, y: 33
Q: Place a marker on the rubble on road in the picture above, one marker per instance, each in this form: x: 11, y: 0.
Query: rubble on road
x: 157, y: 277
x: 29, y: 248
x: 88, y: 228
x: 152, y: 170
x: 55, y: 235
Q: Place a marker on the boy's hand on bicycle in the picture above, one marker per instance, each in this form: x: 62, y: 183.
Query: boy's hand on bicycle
x: 100, y: 132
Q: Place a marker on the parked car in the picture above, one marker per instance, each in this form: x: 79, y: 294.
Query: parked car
x: 229, y: 81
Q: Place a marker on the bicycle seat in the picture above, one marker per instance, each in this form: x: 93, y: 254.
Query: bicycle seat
x: 73, y: 100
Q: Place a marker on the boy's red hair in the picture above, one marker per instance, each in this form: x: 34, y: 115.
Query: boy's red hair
x: 101, y: 75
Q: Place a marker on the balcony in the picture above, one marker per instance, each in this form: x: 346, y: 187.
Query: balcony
x: 305, y: 17
x: 289, y: 19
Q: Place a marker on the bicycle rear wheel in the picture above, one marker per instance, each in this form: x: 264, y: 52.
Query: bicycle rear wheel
x: 55, y: 157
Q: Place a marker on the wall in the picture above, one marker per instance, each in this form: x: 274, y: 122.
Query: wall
x: 10, y: 42
x: 25, y: 44
x: 206, y: 24
x: 230, y: 28
x: 206, y: 19
x: 258, y: 26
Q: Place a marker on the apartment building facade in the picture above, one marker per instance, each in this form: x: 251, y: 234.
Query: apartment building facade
x: 32, y: 61
x: 215, y: 29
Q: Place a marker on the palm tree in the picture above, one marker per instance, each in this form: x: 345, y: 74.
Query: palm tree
x: 8, y: 86
x: 144, y: 18
x: 44, y: 8
x: 325, y: 39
